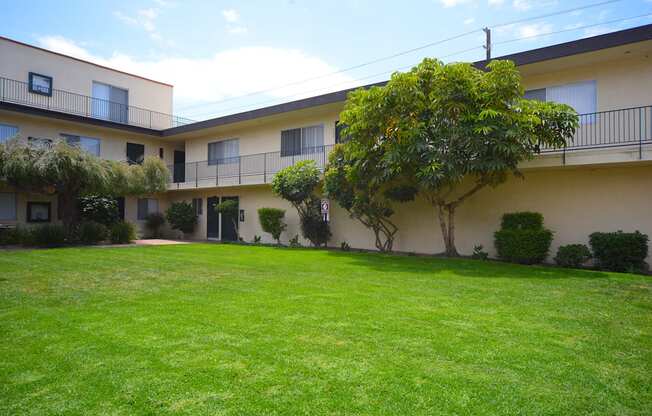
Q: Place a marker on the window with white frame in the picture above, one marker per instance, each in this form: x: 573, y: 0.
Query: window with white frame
x: 582, y: 96
x: 223, y: 152
x: 7, y: 206
x: 7, y: 132
x: 90, y: 144
x: 110, y: 103
x: 147, y: 206
x: 303, y: 140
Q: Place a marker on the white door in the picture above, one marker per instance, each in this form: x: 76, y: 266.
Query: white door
x: 101, y: 100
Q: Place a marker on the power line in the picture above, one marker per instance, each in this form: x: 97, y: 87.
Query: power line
x: 408, y: 51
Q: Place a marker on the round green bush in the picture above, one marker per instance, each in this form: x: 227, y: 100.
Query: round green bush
x: 315, y: 229
x: 523, y: 246
x: 182, y: 217
x: 46, y: 235
x: 99, y: 209
x: 619, y: 251
x: 271, y: 221
x: 91, y: 232
x: 572, y: 255
x: 154, y: 222
x: 123, y: 232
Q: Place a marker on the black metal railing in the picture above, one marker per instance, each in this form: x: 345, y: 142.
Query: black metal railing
x: 625, y: 127
x: 622, y: 127
x: 17, y: 92
x: 242, y: 170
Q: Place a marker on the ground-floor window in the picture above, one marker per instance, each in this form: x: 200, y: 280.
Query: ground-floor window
x: 147, y: 206
x: 197, y: 205
x: 7, y: 206
x: 7, y: 132
x: 39, y: 211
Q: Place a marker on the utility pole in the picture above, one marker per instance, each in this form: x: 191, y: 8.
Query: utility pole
x: 487, y: 45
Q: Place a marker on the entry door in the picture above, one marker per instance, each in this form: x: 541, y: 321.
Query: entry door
x: 229, y: 223
x: 179, y: 166
x: 212, y: 218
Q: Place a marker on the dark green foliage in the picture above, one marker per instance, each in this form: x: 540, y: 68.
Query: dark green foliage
x: 91, y: 232
x: 479, y: 253
x: 271, y: 221
x: 522, y: 221
x: 98, y: 209
x: 181, y: 216
x: 345, y: 246
x: 46, y: 235
x: 123, y: 232
x: 256, y: 239
x: 11, y: 236
x: 572, y: 255
x: 294, y: 242
x: 619, y: 251
x: 522, y: 238
x: 154, y: 222
x: 315, y: 229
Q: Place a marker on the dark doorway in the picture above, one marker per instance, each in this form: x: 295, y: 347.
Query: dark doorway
x: 212, y: 218
x: 229, y: 223
x: 179, y: 166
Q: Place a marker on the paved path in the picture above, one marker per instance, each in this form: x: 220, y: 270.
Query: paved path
x: 159, y: 242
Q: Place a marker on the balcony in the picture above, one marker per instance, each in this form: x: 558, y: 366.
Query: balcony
x: 17, y: 92
x: 629, y: 129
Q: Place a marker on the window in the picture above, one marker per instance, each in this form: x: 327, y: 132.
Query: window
x: 302, y: 141
x: 90, y: 144
x: 7, y: 206
x: 110, y: 103
x: 197, y: 205
x: 223, y: 152
x: 339, y: 127
x: 40, y: 84
x: 7, y: 132
x: 39, y: 142
x: 38, y: 211
x: 582, y: 96
x: 135, y: 153
x: 147, y: 206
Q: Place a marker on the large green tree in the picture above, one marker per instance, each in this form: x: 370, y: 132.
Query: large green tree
x: 71, y: 172
x: 452, y: 130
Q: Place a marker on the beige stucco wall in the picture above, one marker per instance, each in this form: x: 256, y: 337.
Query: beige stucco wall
x: 574, y: 201
x: 17, y: 60
x: 113, y: 145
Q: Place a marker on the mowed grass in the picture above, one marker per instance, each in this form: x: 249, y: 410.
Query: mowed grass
x: 208, y: 329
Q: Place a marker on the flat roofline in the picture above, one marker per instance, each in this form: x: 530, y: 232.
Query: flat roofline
x: 82, y: 60
x: 574, y: 47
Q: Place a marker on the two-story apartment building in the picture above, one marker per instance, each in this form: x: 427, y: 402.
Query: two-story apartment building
x: 601, y: 182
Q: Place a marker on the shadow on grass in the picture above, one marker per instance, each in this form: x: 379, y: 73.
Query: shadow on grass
x: 463, y: 267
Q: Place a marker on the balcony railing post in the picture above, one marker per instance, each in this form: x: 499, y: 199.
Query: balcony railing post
x: 641, y: 115
x: 196, y: 175
x: 239, y: 170
x: 217, y: 174
x: 264, y: 167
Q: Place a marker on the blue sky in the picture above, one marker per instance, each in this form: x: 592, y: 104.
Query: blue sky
x: 214, y: 52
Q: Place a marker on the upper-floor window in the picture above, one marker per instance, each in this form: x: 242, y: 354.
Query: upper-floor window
x: 90, y: 144
x: 40, y: 84
x: 222, y: 152
x: 582, y: 96
x: 110, y: 103
x: 7, y: 132
x: 39, y: 142
x: 303, y: 140
x: 135, y: 153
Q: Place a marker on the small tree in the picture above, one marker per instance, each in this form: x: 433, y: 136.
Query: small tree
x: 230, y: 208
x: 182, y: 216
x: 298, y: 185
x: 71, y: 172
x: 452, y: 130
x: 271, y: 221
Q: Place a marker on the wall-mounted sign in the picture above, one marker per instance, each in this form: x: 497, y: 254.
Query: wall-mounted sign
x: 242, y: 215
x: 325, y: 209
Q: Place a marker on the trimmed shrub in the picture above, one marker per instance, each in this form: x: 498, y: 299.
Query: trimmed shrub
x: 315, y: 229
x: 182, y: 217
x: 91, y: 232
x: 479, y: 253
x: 154, y: 222
x: 522, y: 221
x: 572, y: 255
x: 271, y: 221
x: 294, y: 242
x: 11, y: 236
x: 522, y: 238
x: 46, y: 235
x: 619, y: 251
x: 99, y: 209
x: 122, y: 232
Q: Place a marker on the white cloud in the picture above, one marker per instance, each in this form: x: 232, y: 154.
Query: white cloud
x: 496, y: 2
x: 469, y: 21
x: 145, y: 19
x: 227, y: 73
x: 524, y: 5
x: 236, y: 30
x: 533, y: 30
x: 453, y: 3
x: 231, y: 15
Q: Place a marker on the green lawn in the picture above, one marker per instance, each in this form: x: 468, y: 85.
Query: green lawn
x: 223, y: 329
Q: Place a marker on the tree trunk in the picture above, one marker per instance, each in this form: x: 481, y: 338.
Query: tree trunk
x: 447, y: 228
x: 67, y: 208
